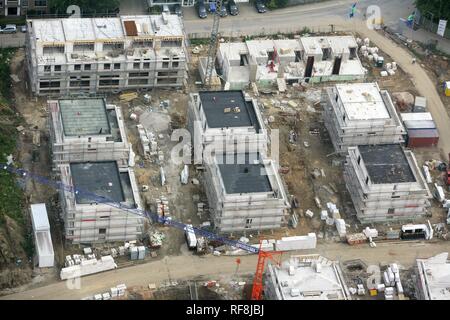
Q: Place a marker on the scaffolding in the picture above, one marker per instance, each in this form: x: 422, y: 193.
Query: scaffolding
x: 88, y: 147
x: 346, y: 132
x: 388, y: 200
x: 158, y: 59
x: 95, y: 222
x: 246, y: 211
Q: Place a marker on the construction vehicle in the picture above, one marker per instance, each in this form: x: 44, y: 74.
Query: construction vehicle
x: 188, y: 229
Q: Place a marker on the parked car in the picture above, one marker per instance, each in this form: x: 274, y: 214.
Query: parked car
x: 201, y: 9
x: 223, y: 11
x: 23, y: 28
x: 212, y: 7
x: 9, y: 28
x: 260, y: 6
x: 232, y: 7
x: 177, y: 10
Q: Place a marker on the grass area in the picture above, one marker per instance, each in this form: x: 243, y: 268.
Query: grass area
x: 197, y: 42
x: 11, y: 196
x: 5, y: 83
x: 19, y: 21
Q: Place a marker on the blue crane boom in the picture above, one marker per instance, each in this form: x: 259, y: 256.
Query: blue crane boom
x: 143, y: 213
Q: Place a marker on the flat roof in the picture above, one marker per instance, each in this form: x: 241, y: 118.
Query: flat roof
x: 306, y: 281
x: 39, y: 217
x: 362, y: 101
x: 44, y: 243
x: 435, y: 276
x: 108, y: 29
x: 242, y: 173
x: 81, y: 117
x: 214, y: 104
x: 101, y: 179
x: 386, y: 163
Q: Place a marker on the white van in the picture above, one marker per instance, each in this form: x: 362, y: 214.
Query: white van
x: 191, y: 239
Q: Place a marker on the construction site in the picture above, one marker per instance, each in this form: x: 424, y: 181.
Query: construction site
x: 297, y: 144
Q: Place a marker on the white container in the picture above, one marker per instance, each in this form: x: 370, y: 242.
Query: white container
x: 389, y: 297
x: 141, y: 252
x: 399, y: 287
x: 134, y: 253
x: 114, y: 292
x: 389, y: 291
x: 381, y: 287
x: 394, y: 267
x: 106, y: 296
x: 386, y: 278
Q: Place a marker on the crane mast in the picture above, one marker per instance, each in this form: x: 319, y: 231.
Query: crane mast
x: 213, y: 42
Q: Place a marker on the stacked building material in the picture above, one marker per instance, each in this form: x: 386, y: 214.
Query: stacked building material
x: 145, y: 141
x: 87, y: 267
x: 162, y: 207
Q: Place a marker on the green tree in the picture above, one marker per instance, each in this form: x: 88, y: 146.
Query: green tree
x: 439, y: 8
x: 86, y: 6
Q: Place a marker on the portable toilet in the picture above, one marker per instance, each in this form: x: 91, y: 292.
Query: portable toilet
x: 134, y: 253
x: 447, y: 88
x: 141, y: 252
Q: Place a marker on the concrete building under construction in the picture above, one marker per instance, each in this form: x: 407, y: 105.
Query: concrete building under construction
x: 92, y: 55
x: 307, y: 277
x: 87, y: 130
x: 103, y: 206
x: 245, y: 193
x: 433, y: 278
x: 310, y: 59
x: 226, y: 122
x: 385, y: 183
x: 360, y: 114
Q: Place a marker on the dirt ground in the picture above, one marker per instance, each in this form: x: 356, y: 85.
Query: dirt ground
x: 310, y: 150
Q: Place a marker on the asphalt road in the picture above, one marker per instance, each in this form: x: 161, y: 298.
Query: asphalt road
x: 210, y: 267
x: 249, y: 21
x: 322, y: 14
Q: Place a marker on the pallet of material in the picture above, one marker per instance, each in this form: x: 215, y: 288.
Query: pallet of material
x: 128, y: 96
x: 356, y: 238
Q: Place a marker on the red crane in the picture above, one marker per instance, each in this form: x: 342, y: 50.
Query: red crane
x: 258, y: 279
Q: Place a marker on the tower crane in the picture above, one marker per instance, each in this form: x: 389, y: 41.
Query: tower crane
x: 262, y: 255
x: 275, y: 256
x: 213, y: 42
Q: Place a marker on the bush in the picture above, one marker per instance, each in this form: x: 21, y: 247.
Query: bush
x: 276, y: 4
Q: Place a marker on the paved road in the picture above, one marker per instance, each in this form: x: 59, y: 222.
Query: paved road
x: 189, y: 266
x: 12, y: 40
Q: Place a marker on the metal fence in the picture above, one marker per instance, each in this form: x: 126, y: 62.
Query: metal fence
x: 431, y: 26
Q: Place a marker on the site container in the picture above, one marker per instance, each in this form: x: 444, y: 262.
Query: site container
x: 422, y: 138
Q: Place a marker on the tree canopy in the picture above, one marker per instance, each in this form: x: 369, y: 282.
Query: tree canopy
x: 439, y: 8
x: 86, y: 6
